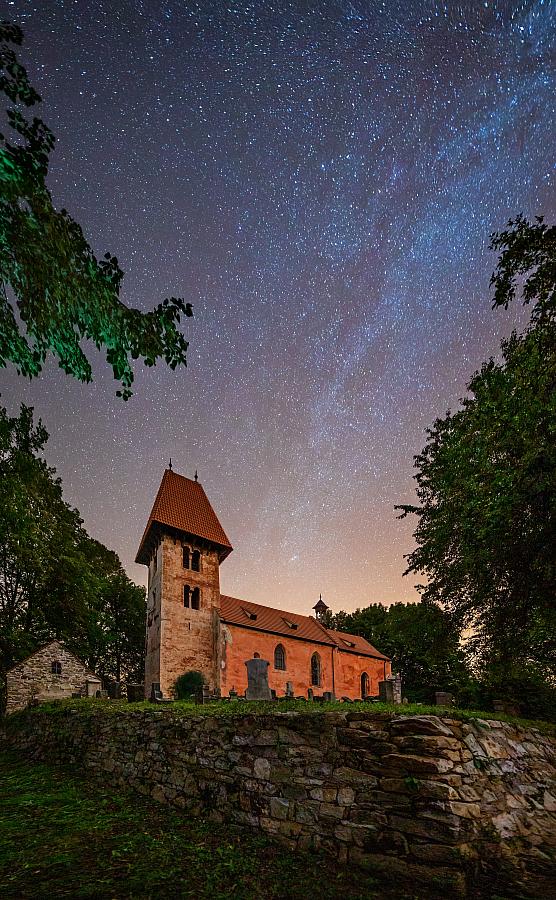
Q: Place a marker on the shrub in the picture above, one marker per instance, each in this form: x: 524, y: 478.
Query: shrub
x: 189, y: 683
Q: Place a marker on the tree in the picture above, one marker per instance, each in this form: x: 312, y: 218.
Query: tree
x: 56, y: 581
x: 61, y: 292
x: 421, y: 640
x: 116, y: 619
x: 486, y: 481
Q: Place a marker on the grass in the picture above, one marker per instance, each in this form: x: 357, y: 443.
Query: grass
x: 227, y: 709
x: 64, y: 836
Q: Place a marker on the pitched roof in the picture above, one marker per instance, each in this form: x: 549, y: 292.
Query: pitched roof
x: 355, y: 643
x: 182, y: 504
x: 62, y: 646
x: 277, y: 621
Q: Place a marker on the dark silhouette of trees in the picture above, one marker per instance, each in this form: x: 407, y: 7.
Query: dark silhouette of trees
x: 486, y: 482
x: 54, y: 291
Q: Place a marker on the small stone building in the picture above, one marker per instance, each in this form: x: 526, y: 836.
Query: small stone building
x: 50, y: 673
x: 192, y: 625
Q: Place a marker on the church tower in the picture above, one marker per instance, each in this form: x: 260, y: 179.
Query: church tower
x: 183, y: 546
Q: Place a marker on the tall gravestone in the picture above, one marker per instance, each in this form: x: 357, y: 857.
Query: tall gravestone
x: 257, y: 680
x: 390, y: 690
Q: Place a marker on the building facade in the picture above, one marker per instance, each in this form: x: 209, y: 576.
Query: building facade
x: 51, y: 673
x: 191, y: 625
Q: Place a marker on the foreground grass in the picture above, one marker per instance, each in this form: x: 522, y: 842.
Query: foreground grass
x: 226, y: 708
x: 63, y: 836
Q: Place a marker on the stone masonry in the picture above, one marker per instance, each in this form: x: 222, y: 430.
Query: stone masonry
x: 33, y: 679
x: 430, y: 801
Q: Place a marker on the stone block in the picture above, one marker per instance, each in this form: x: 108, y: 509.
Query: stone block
x: 261, y: 768
x: 279, y: 808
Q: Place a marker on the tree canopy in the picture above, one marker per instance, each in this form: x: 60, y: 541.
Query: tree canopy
x: 55, y: 292
x: 421, y: 640
x: 486, y: 480
x: 55, y: 580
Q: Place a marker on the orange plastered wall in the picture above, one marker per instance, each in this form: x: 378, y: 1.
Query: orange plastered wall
x: 240, y: 644
x: 349, y: 669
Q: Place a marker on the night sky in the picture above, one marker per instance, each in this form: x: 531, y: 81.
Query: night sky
x: 320, y: 180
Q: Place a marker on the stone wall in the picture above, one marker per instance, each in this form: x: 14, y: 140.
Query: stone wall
x: 435, y: 803
x: 33, y: 678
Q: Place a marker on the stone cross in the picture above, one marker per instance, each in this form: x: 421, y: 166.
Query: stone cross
x: 257, y: 680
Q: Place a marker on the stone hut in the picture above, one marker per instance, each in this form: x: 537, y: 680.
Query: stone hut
x: 50, y: 673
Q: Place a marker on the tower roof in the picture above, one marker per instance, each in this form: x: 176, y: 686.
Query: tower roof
x: 320, y: 605
x: 182, y: 504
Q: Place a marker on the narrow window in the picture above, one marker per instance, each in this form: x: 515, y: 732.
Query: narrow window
x: 315, y: 670
x: 56, y: 668
x: 196, y: 560
x: 279, y: 657
x: 185, y: 557
x: 364, y: 685
x: 155, y: 561
x: 186, y: 595
x: 195, y: 598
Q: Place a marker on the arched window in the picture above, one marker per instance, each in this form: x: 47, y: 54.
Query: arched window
x: 185, y: 552
x: 365, y: 687
x: 195, y: 598
x: 186, y: 595
x: 279, y: 657
x: 196, y: 560
x: 315, y: 670
x: 56, y: 668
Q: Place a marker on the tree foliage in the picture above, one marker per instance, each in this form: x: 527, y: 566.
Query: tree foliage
x: 63, y: 293
x: 56, y: 581
x: 486, y: 480
x: 421, y: 640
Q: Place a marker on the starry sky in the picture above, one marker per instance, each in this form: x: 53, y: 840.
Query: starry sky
x: 320, y: 180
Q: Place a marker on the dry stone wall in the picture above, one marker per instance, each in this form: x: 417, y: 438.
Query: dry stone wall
x: 433, y: 802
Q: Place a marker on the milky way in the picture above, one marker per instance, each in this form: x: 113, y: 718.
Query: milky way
x: 320, y: 181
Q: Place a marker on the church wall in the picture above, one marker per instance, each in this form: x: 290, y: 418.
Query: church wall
x: 349, y: 668
x: 240, y: 644
x: 189, y: 637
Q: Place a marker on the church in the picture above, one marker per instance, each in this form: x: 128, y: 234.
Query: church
x: 191, y: 625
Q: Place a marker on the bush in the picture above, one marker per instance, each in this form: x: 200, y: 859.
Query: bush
x: 188, y: 684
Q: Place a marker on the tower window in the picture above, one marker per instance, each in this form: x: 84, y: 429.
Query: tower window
x: 196, y: 560
x: 185, y: 551
x: 195, y: 598
x: 315, y: 670
x: 279, y: 657
x: 155, y: 560
x: 186, y: 596
x: 56, y: 668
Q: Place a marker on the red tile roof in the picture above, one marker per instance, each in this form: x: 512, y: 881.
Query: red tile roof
x: 277, y: 621
x: 355, y: 643
x: 182, y: 504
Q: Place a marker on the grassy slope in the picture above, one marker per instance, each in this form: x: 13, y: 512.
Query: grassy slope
x: 242, y: 708
x: 62, y: 836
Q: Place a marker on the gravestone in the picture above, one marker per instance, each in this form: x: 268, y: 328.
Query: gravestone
x: 443, y: 698
x: 135, y: 693
x: 257, y: 680
x: 289, y: 690
x: 390, y: 690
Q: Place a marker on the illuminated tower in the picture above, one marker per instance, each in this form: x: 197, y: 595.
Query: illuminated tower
x: 183, y: 546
